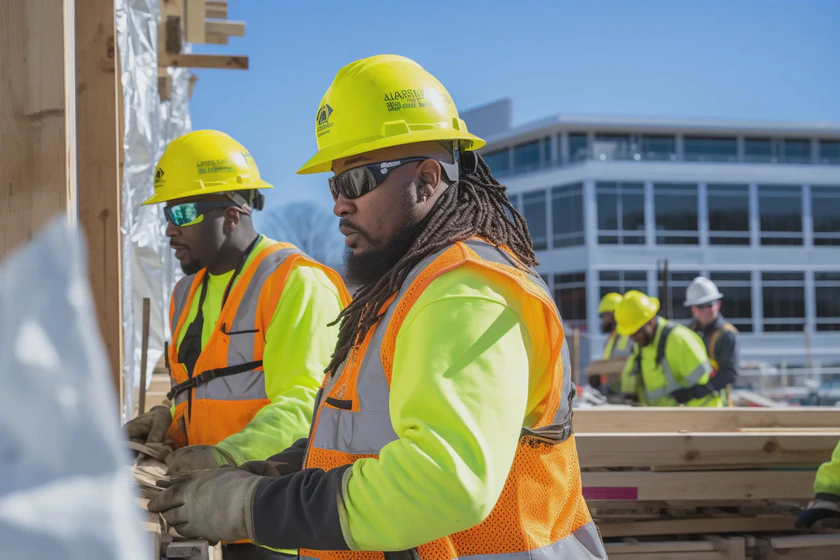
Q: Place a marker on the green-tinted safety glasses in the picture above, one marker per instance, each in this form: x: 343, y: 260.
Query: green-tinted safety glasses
x: 191, y: 213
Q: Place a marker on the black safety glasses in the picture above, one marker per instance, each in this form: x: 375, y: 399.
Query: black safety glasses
x: 359, y: 181
x: 191, y: 213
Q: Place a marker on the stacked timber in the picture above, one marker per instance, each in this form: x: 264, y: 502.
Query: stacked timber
x: 705, y: 483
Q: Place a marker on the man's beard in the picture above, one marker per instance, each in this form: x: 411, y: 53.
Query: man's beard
x: 607, y: 328
x: 191, y: 267
x: 369, y: 267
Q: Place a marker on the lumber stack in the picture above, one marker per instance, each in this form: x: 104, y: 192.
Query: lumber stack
x: 697, y: 475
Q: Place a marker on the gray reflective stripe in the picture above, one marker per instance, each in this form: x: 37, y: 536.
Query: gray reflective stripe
x: 697, y: 373
x: 585, y: 543
x: 245, y: 386
x: 353, y: 432
x: 619, y: 353
x: 672, y: 385
x: 179, y: 297
x: 181, y: 397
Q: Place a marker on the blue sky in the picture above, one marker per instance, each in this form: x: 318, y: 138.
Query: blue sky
x: 759, y: 59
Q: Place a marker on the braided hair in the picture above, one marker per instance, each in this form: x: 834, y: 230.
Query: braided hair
x: 475, y: 205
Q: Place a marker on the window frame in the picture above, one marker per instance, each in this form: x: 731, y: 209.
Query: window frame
x: 563, y: 192
x: 680, y: 190
x: 766, y: 237
x: 571, y: 281
x: 718, y: 190
x: 621, y: 189
x: 787, y: 285
x: 540, y: 242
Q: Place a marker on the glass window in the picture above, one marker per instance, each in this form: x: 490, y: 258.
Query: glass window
x: 699, y: 148
x: 676, y: 214
x: 678, y: 282
x: 567, y: 215
x: 578, y: 146
x: 659, y: 148
x: 736, y: 304
x: 758, y: 150
x: 546, y: 151
x: 783, y: 294
x: 796, y: 151
x: 825, y: 209
x: 621, y: 213
x: 729, y: 214
x: 612, y: 147
x: 498, y: 162
x: 526, y: 157
x: 621, y: 281
x: 534, y: 210
x: 827, y: 287
x: 830, y: 152
x: 570, y: 297
x: 780, y: 213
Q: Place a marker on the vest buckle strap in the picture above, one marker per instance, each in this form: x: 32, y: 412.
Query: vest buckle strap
x: 210, y: 375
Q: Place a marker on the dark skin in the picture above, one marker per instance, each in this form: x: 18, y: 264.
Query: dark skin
x: 607, y: 322
x: 646, y: 334
x: 405, y: 197
x: 217, y: 243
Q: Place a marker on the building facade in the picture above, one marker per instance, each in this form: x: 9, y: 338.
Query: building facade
x: 754, y: 206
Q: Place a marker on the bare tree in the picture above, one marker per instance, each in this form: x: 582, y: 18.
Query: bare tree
x: 309, y: 227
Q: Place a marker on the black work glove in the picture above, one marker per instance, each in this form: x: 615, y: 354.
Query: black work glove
x: 823, y: 511
x: 682, y: 396
x: 150, y: 427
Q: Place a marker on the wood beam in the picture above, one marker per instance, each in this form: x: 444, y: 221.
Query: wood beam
x: 700, y: 450
x: 37, y: 117
x: 697, y: 526
x: 702, y: 486
x: 216, y: 61
x: 215, y: 39
x: 231, y: 28
x: 194, y: 28
x: 217, y: 10
x: 640, y: 420
x: 98, y: 152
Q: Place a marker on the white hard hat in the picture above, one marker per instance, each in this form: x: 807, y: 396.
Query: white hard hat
x: 700, y: 291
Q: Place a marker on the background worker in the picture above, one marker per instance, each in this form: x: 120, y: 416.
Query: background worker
x: 669, y: 365
x: 718, y: 334
x: 250, y: 339
x: 444, y: 425
x: 616, y: 346
x: 824, y: 509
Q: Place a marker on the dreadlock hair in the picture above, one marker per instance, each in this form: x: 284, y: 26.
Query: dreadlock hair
x: 475, y: 205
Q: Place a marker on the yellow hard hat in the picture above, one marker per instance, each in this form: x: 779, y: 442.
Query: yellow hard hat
x: 383, y: 101
x: 609, y: 302
x: 633, y: 311
x: 204, y: 162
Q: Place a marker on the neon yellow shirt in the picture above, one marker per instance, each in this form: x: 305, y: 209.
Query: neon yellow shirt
x: 467, y: 376
x: 298, y: 346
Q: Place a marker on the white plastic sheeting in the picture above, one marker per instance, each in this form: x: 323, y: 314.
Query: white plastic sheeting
x: 148, y: 269
x: 65, y: 484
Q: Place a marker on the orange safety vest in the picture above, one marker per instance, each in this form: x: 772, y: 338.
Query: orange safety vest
x: 711, y: 343
x: 227, y: 386
x: 541, y: 511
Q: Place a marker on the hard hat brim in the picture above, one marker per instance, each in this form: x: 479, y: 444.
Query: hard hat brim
x: 625, y: 329
x: 214, y: 189
x: 702, y: 300
x: 321, y: 162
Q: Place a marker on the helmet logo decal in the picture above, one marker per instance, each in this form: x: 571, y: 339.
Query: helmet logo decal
x: 416, y: 99
x: 322, y: 120
x: 215, y: 166
x: 159, y: 177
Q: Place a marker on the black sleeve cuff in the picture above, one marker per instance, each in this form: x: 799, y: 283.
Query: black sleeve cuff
x: 300, y: 510
x: 828, y: 497
x: 292, y: 455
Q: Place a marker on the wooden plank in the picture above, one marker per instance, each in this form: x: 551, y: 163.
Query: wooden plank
x: 98, y: 152
x: 171, y: 8
x: 231, y: 28
x: 217, y: 61
x: 194, y: 28
x: 705, y: 449
x: 215, y: 39
x: 37, y: 117
x: 216, y: 9
x: 697, y: 526
x: 805, y: 541
x: 702, y: 486
x: 663, y: 546
x: 638, y: 420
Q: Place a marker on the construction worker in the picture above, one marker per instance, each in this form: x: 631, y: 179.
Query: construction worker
x: 616, y: 346
x: 443, y: 428
x: 719, y: 335
x: 824, y: 509
x: 669, y: 365
x: 250, y: 334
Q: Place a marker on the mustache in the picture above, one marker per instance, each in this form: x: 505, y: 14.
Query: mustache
x: 344, y: 222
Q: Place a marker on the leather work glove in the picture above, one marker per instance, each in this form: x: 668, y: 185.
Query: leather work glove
x: 196, y: 458
x: 824, y: 511
x: 682, y: 396
x: 212, y: 504
x: 150, y: 427
x: 271, y: 469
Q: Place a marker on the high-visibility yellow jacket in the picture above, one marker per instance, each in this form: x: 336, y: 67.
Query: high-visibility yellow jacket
x: 828, y: 475
x: 273, y: 327
x: 618, y: 346
x: 676, y: 361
